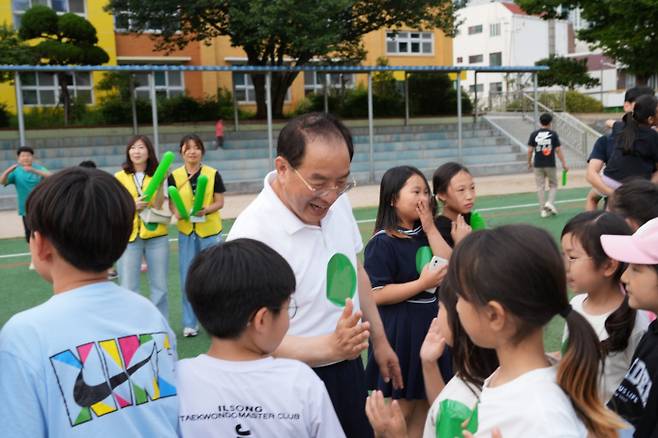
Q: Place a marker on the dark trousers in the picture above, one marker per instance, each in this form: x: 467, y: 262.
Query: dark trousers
x: 346, y: 385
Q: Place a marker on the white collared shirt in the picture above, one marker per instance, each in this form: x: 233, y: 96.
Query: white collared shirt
x: 308, y: 249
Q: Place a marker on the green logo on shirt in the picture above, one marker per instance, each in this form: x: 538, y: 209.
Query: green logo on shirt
x: 451, y: 419
x: 341, y: 279
x: 423, y: 257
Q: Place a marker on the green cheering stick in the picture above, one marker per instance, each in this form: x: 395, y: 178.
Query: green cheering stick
x: 200, y: 193
x: 341, y: 279
x: 452, y: 416
x: 564, y: 177
x: 423, y: 257
x: 477, y: 221
x: 178, y: 202
x: 158, y: 176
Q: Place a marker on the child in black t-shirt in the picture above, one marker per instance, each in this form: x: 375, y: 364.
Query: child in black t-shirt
x: 545, y: 144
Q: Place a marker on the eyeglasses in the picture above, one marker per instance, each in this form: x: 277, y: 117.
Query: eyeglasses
x: 292, y: 307
x: 322, y: 191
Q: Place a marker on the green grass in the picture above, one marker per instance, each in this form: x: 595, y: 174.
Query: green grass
x: 22, y: 289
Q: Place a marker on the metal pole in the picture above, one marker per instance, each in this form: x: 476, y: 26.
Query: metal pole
x: 459, y: 116
x: 19, y: 110
x: 326, y: 93
x: 236, y: 126
x: 154, y: 112
x: 475, y: 110
x: 268, y: 101
x: 536, y: 107
x: 133, y: 104
x: 371, y: 130
x: 406, y: 98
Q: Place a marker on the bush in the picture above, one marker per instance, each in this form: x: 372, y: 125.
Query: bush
x: 433, y: 94
x: 580, y: 103
x: 5, y: 116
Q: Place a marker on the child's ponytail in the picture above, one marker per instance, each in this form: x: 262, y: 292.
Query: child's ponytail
x: 578, y: 375
x: 645, y: 107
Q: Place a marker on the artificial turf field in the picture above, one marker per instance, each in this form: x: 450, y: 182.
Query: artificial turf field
x: 21, y: 289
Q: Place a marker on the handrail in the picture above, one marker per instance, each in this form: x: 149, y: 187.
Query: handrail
x: 505, y: 133
x: 574, y: 133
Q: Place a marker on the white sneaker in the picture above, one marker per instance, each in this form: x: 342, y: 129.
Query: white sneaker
x: 544, y: 213
x: 551, y: 208
x: 190, y: 332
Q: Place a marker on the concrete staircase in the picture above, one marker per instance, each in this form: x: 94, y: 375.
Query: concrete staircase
x: 518, y: 129
x: 244, y: 160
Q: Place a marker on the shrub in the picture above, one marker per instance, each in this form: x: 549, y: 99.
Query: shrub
x: 433, y: 94
x: 5, y: 116
x: 580, y: 103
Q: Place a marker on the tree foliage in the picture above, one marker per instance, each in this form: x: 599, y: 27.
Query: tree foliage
x: 12, y: 51
x: 66, y: 39
x: 565, y: 72
x: 277, y: 32
x: 625, y: 31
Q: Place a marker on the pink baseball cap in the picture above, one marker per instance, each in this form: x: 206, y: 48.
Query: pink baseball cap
x: 641, y: 248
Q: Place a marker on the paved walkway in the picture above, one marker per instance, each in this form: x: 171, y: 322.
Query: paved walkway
x: 361, y: 196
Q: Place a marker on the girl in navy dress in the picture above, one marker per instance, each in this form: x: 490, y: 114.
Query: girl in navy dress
x: 403, y: 285
x: 454, y: 189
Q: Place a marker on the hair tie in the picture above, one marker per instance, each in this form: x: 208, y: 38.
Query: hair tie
x: 564, y: 313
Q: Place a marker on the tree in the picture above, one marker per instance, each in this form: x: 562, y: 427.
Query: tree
x: 66, y: 39
x: 565, y: 72
x: 278, y: 32
x: 12, y: 51
x: 625, y: 31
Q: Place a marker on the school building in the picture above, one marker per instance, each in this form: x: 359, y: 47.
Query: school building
x: 404, y: 47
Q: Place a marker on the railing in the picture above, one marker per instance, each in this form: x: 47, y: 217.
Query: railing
x: 574, y: 134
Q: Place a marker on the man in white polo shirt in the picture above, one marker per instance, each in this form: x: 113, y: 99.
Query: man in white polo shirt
x: 303, y: 214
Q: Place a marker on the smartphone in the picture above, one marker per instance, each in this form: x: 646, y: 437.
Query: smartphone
x: 437, y: 262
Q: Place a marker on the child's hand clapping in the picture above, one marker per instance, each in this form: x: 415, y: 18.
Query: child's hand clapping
x: 434, y: 343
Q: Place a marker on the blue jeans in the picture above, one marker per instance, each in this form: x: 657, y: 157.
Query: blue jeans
x: 156, y: 252
x: 188, y: 248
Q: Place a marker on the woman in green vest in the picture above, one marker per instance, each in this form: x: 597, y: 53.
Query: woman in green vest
x: 152, y: 244
x: 202, y: 229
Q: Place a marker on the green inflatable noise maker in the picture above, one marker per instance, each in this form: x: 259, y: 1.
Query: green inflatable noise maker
x: 178, y: 202
x: 477, y: 221
x: 199, y: 194
x: 158, y: 176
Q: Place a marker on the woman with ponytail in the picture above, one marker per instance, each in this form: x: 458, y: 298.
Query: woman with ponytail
x: 601, y: 298
x: 504, y: 303
x: 636, y: 146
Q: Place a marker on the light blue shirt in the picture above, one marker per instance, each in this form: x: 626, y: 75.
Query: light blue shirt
x: 91, y: 362
x: 24, y: 181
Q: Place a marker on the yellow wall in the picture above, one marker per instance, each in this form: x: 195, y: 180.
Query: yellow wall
x: 375, y: 43
x: 101, y: 20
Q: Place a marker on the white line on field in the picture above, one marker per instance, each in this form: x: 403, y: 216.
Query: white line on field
x: 365, y: 221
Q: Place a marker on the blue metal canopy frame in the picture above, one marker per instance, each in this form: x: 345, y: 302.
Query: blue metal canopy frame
x: 268, y: 70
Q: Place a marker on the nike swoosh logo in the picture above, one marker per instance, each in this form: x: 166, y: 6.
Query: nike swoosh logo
x: 88, y: 395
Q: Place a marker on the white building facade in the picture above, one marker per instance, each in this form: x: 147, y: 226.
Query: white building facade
x: 502, y: 34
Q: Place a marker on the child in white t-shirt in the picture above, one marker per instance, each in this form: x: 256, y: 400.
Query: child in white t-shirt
x: 455, y: 403
x: 241, y: 292
x: 601, y: 298
x: 505, y: 303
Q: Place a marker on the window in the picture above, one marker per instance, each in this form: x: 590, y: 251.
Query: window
x: 43, y: 88
x: 167, y: 84
x: 409, y: 43
x: 314, y: 81
x: 472, y: 30
x: 60, y: 6
x: 496, y: 58
x: 245, y: 92
x: 123, y: 22
x: 480, y: 88
x: 475, y: 59
x: 496, y: 87
x: 460, y: 60
x: 494, y: 29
